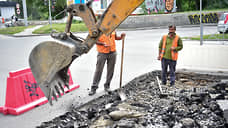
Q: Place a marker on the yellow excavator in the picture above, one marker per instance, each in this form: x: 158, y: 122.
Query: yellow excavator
x: 50, y: 60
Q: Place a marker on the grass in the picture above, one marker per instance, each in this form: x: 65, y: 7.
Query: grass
x: 210, y: 37
x: 13, y: 30
x: 77, y: 27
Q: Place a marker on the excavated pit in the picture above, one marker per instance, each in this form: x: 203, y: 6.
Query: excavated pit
x: 192, y: 103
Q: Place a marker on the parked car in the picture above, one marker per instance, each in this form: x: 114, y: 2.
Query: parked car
x: 223, y: 23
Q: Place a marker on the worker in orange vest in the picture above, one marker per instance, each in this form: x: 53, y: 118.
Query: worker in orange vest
x: 168, y: 53
x: 106, y: 48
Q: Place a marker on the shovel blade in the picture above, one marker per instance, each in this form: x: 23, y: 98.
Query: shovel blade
x: 122, y: 95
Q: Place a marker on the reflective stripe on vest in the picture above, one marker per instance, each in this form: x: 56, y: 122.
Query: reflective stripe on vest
x: 174, y: 44
x: 109, y: 41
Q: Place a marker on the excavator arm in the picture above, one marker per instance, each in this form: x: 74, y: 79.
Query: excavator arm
x: 50, y: 60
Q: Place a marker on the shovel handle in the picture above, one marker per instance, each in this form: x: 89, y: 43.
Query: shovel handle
x: 121, y: 66
x: 159, y: 85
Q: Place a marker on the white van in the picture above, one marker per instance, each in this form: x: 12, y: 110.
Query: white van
x: 222, y: 27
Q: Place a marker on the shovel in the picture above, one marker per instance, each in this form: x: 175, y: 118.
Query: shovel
x: 121, y: 93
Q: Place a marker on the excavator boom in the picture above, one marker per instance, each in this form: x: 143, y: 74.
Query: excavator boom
x: 50, y: 60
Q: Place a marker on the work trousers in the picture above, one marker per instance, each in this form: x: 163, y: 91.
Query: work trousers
x: 102, y: 58
x: 172, y: 68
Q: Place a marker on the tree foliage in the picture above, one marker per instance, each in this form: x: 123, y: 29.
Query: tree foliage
x: 38, y: 10
x: 193, y: 5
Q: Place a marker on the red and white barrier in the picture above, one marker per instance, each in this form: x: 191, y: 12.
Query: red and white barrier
x: 23, y: 94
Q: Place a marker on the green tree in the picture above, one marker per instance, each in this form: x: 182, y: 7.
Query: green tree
x: 37, y: 10
x: 214, y: 4
x: 192, y: 5
x: 59, y: 8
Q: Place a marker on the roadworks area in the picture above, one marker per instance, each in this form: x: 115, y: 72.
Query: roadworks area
x: 192, y: 103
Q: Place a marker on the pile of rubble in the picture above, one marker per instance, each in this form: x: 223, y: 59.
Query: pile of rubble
x: 190, y: 104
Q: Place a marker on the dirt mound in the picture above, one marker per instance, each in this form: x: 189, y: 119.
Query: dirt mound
x: 191, y: 103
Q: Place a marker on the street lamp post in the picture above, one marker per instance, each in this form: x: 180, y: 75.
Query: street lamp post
x: 201, y: 25
x: 50, y: 19
x: 25, y: 12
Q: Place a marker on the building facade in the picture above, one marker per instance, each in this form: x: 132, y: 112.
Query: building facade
x: 7, y: 9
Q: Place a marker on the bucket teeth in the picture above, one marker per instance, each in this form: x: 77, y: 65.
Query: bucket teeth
x: 50, y: 96
x: 55, y: 87
x: 61, y: 85
x: 58, y: 90
x: 67, y: 85
x: 54, y: 94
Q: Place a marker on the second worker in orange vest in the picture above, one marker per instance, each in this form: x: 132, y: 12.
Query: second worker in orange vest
x: 168, y: 52
x: 106, y: 48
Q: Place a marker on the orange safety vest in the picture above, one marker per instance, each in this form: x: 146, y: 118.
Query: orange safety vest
x: 109, y: 41
x: 174, y: 44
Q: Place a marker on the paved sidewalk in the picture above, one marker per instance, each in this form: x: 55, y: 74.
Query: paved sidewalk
x: 211, y: 56
x: 28, y: 32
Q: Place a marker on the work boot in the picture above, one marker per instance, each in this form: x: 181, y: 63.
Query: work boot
x: 92, y: 92
x: 172, y: 84
x: 163, y: 83
x: 107, y: 90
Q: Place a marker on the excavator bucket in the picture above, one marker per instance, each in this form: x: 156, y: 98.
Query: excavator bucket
x: 49, y: 62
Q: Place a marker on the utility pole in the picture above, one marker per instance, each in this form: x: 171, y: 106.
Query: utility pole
x: 25, y: 13
x: 201, y: 25
x: 50, y: 19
